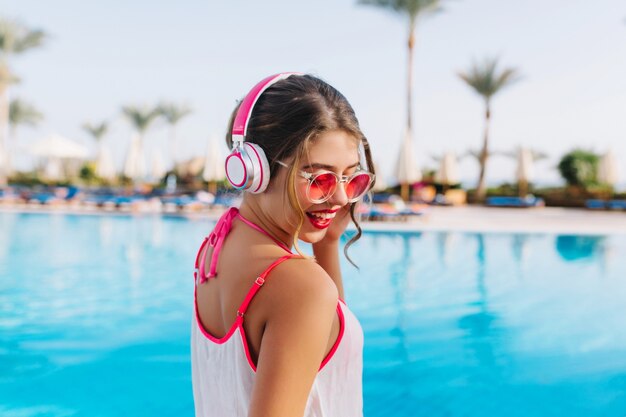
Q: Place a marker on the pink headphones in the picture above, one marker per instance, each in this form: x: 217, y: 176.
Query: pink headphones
x: 247, y: 167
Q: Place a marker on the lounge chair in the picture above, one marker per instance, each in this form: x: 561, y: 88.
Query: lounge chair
x: 502, y: 201
x: 595, y: 204
x: 9, y: 196
x: 393, y: 212
x: 43, y: 198
x: 185, y: 203
x: 98, y: 200
x: 54, y: 196
x: 616, y: 205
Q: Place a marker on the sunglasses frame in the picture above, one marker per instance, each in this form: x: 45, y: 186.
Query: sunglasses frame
x: 343, y: 179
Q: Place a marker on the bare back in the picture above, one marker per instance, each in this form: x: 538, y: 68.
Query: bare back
x: 244, y: 255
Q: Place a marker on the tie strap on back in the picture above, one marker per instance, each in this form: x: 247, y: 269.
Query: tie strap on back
x: 216, y: 240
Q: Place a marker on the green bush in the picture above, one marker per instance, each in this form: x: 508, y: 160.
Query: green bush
x: 579, y: 168
x: 26, y: 179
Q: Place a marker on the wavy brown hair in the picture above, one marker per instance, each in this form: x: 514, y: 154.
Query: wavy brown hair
x: 288, y: 117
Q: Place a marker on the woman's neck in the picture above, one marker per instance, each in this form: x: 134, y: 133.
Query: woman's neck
x: 252, y: 212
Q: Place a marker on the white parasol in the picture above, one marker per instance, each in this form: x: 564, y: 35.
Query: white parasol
x: 104, y: 164
x: 607, y: 170
x: 213, y: 163
x: 135, y: 166
x: 407, y: 171
x: 158, y: 169
x: 525, y: 170
x: 53, y: 171
x: 448, y: 172
x: 56, y: 146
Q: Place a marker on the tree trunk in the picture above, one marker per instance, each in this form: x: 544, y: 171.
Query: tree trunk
x: 212, y: 187
x: 409, y: 84
x: 409, y: 99
x: 404, y: 191
x: 481, y: 188
x: 522, y: 188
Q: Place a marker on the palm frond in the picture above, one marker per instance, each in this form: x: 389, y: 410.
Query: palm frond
x: 471, y: 153
x: 172, y: 112
x: 538, y: 155
x: 140, y: 117
x: 514, y: 154
x: 23, y: 113
x: 30, y: 40
x: 485, y: 79
x: 413, y: 9
x: 508, y: 154
x: 17, y: 38
x: 96, y: 130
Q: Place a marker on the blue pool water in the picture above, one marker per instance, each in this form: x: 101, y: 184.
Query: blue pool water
x: 95, y: 315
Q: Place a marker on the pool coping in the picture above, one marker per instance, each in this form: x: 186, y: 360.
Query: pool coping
x: 469, y: 219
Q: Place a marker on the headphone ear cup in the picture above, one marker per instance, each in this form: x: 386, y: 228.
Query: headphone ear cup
x: 238, y: 168
x: 260, y: 172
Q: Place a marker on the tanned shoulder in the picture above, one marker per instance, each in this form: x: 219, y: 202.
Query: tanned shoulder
x: 298, y: 282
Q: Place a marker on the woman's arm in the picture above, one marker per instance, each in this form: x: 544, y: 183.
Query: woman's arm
x: 294, y: 341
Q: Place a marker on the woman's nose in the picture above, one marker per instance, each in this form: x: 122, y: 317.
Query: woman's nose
x: 339, y: 197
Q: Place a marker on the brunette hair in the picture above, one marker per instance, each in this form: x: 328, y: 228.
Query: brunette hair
x: 289, y: 116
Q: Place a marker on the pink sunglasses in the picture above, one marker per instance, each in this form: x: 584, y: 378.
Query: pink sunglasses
x: 323, y: 184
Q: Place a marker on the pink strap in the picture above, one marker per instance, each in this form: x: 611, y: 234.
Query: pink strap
x: 216, y: 240
x: 258, y: 283
x: 254, y: 226
x: 240, y: 124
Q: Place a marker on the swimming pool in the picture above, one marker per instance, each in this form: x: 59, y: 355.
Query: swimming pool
x: 95, y: 318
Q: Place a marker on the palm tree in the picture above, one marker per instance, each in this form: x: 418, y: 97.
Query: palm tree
x: 140, y: 118
x: 96, y: 130
x: 413, y: 10
x: 22, y: 113
x: 15, y: 38
x: 7, y: 77
x: 173, y: 114
x: 104, y: 167
x: 487, y: 81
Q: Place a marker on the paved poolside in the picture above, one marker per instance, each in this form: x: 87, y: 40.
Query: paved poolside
x: 512, y: 220
x: 464, y: 219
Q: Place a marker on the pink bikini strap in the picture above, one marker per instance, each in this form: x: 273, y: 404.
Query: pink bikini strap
x: 254, y: 226
x: 258, y: 283
x: 216, y: 240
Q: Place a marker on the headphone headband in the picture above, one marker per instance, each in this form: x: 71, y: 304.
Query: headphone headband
x: 240, y: 125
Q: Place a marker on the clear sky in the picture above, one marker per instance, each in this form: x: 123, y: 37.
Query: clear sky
x: 102, y: 55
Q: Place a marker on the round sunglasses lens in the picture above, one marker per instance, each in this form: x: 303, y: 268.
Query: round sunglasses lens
x: 357, y: 186
x: 322, y: 187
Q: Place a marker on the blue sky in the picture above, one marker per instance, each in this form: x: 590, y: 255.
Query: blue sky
x: 102, y: 55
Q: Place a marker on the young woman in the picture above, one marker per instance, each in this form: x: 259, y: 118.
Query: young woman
x: 272, y: 335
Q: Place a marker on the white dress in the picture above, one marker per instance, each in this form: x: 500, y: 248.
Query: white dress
x: 223, y: 372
